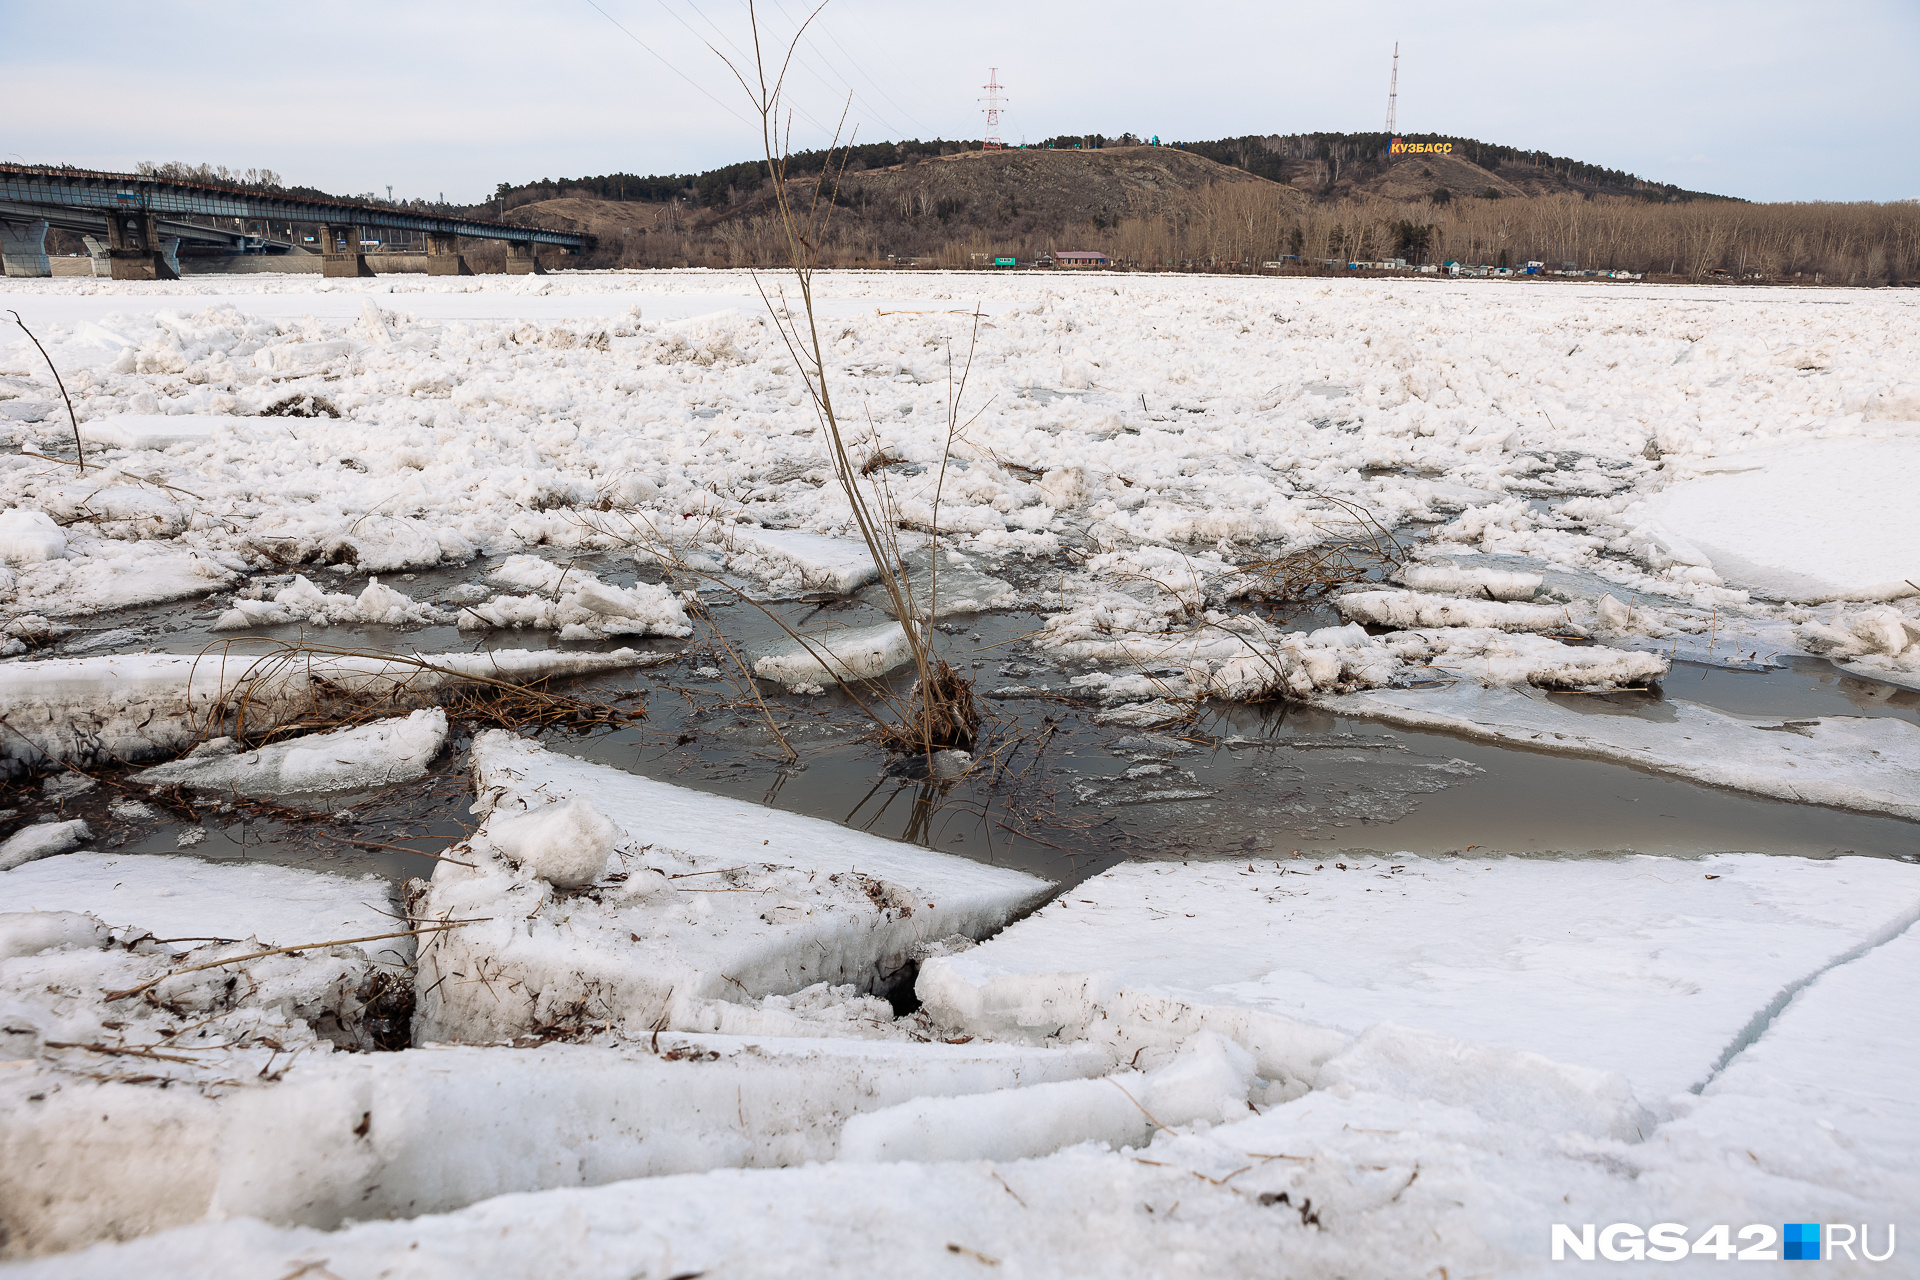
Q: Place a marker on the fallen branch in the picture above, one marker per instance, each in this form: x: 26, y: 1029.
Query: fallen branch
x: 279, y: 951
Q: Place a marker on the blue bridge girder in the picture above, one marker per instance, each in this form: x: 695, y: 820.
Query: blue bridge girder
x: 90, y: 190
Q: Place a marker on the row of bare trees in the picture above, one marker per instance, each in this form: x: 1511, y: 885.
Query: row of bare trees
x: 1242, y: 224
x: 1231, y: 226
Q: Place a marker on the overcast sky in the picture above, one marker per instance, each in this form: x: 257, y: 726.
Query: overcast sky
x: 1763, y: 99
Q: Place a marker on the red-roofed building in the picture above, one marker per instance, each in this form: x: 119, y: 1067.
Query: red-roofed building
x: 1077, y: 259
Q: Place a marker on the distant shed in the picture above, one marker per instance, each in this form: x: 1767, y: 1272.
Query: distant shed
x: 1078, y: 259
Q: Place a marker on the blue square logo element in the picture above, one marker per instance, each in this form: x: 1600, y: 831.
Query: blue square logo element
x: 1801, y: 1240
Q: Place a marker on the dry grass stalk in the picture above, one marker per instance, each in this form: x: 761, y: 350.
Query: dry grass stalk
x: 280, y: 951
x: 940, y: 712
x: 79, y: 453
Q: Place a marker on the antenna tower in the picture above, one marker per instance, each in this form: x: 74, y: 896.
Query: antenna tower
x: 1393, y: 94
x: 993, y: 101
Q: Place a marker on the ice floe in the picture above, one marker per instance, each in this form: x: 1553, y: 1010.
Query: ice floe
x: 398, y: 749
x: 713, y: 898
x: 138, y: 706
x: 1870, y: 764
x: 822, y: 657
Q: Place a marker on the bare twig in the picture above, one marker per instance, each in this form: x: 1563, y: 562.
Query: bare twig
x: 79, y: 451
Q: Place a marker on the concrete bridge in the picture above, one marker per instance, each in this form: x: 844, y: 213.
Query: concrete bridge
x: 136, y: 224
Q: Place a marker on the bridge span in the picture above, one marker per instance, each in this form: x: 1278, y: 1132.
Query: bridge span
x: 134, y: 225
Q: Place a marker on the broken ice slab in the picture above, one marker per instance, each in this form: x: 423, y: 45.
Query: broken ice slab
x: 131, y: 707
x: 1868, y: 764
x: 42, y: 840
x: 1646, y: 966
x: 178, y: 897
x: 1408, y: 609
x: 714, y: 898
x: 822, y: 657
x: 358, y: 759
x: 356, y: 1136
x: 795, y: 560
x: 155, y: 430
x: 1825, y: 1094
x: 1472, y: 580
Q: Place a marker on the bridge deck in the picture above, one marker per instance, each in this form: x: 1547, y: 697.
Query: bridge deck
x: 51, y: 189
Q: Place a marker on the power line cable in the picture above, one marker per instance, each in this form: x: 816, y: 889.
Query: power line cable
x: 669, y: 65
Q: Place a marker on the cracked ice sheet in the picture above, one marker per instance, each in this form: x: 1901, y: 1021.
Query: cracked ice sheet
x: 720, y: 899
x: 1867, y: 764
x: 1647, y: 966
x: 1825, y: 1096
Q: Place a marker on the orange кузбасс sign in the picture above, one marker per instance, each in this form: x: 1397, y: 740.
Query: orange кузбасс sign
x: 1401, y: 147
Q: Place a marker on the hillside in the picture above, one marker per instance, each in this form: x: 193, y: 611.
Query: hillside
x: 1362, y: 165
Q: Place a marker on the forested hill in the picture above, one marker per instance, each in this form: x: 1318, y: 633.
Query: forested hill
x: 1322, y: 165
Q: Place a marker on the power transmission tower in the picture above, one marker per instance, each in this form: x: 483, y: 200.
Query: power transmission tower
x: 1393, y: 94
x: 993, y: 101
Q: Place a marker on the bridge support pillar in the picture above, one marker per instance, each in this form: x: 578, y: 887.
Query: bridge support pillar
x: 521, y: 259
x: 133, y: 248
x: 23, y: 248
x: 340, y: 252
x: 101, y: 255
x: 444, y: 257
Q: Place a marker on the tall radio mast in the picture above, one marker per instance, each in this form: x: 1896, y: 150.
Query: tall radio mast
x: 1393, y: 93
x: 993, y: 101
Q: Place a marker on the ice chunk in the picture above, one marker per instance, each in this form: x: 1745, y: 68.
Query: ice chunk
x: 1810, y: 524
x: 1208, y: 1080
x: 795, y: 560
x: 577, y: 604
x: 42, y: 840
x: 1869, y: 764
x: 359, y: 1136
x: 566, y: 844
x: 174, y: 896
x: 137, y: 706
x: 294, y: 358
x: 154, y: 430
x: 1419, y: 609
x: 369, y: 755
x: 301, y: 601
x: 858, y: 653
x: 30, y: 537
x: 1649, y: 967
x: 28, y: 933
x: 716, y: 899
x: 1459, y: 580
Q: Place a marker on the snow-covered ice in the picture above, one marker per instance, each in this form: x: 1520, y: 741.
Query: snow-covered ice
x: 337, y: 1137
x: 1829, y: 522
x: 713, y: 899
x: 1648, y: 967
x: 366, y: 756
x: 1446, y: 1057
